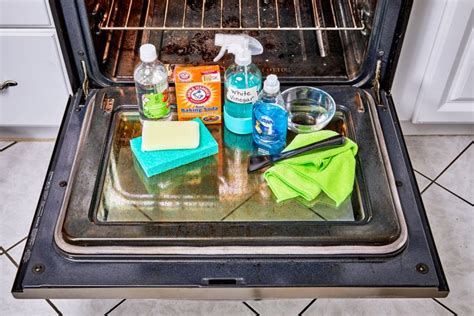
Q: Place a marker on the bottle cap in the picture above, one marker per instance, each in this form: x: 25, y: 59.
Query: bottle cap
x: 271, y: 85
x: 148, y: 53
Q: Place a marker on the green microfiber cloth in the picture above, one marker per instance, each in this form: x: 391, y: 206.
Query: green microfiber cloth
x: 331, y: 171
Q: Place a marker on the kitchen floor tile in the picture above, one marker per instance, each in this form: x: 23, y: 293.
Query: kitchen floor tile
x: 279, y: 307
x: 376, y: 307
x: 459, y: 178
x: 173, y: 307
x: 17, y: 251
x: 4, y: 145
x: 85, y: 307
x: 451, y: 221
x: 432, y: 154
x: 23, y: 168
x: 422, y: 181
x: 11, y: 306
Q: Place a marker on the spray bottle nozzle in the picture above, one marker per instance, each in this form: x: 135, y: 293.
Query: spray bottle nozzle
x: 241, y: 45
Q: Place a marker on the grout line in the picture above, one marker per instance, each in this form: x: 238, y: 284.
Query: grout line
x: 446, y: 307
x: 16, y: 244
x: 238, y: 206
x: 54, y: 307
x: 11, y: 259
x: 307, y: 306
x: 443, y: 171
x: 8, y: 146
x: 251, y: 308
x: 142, y: 212
x: 428, y: 178
x: 319, y: 215
x: 113, y: 308
x: 453, y: 161
x: 459, y: 197
x: 428, y: 186
x: 421, y: 174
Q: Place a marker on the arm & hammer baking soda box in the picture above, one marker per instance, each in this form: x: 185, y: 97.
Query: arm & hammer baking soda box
x: 198, y: 93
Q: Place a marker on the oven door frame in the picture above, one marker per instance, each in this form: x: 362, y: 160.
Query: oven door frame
x: 47, y: 272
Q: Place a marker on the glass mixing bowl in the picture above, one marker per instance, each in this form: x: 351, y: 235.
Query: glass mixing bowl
x: 309, y: 109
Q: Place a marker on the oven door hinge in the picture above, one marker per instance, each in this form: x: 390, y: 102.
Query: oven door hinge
x: 85, y: 82
x: 376, y: 82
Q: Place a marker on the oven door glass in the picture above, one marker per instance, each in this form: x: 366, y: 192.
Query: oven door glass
x: 111, y: 206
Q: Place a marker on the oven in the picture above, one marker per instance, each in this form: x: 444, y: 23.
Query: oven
x: 210, y: 229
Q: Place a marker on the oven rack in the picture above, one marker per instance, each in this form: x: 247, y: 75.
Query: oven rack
x: 344, y: 16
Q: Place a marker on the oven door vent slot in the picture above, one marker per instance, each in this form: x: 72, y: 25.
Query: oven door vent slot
x: 222, y: 281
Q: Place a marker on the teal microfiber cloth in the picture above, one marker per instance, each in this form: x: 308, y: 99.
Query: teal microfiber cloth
x: 159, y: 161
x: 331, y: 171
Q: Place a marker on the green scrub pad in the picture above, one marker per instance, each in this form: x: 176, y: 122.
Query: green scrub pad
x: 159, y: 161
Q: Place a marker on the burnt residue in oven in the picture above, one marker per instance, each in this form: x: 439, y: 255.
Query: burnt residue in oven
x: 288, y: 53
x: 196, y: 5
x: 200, y: 44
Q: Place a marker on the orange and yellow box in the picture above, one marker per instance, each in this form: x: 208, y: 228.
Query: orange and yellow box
x: 198, y: 93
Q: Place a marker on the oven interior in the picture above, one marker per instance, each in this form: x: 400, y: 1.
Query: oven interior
x: 313, y: 40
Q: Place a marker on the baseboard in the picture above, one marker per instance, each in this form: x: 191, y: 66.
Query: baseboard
x: 409, y: 128
x: 28, y: 132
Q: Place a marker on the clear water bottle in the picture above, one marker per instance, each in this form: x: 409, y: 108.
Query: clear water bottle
x: 151, y: 83
x: 270, y: 118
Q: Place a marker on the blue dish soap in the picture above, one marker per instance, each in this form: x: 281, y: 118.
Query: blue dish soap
x: 270, y: 118
x: 243, y: 80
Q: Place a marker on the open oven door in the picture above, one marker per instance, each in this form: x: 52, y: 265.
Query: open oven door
x: 210, y: 230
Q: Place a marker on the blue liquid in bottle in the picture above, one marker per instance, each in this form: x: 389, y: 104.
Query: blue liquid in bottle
x: 242, y: 85
x: 270, y: 119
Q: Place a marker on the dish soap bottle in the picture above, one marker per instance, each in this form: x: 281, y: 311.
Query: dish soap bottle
x: 243, y: 80
x: 270, y: 118
x: 151, y: 83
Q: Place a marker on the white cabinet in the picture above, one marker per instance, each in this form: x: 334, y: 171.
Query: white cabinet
x: 31, y: 58
x: 24, y: 13
x: 435, y: 78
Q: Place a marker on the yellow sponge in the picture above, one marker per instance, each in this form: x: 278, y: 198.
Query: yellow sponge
x: 161, y: 135
x: 159, y: 161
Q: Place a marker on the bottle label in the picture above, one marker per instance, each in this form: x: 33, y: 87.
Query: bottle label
x: 155, y: 105
x: 198, y: 94
x: 264, y: 126
x: 242, y: 96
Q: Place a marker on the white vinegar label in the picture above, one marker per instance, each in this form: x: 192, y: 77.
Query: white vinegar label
x: 249, y: 95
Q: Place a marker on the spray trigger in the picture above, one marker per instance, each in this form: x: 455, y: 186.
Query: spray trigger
x: 241, y: 45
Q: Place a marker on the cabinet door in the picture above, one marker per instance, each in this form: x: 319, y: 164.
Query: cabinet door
x: 32, y: 59
x: 447, y: 91
x: 21, y: 13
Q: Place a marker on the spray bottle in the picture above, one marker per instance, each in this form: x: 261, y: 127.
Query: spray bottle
x: 243, y: 80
